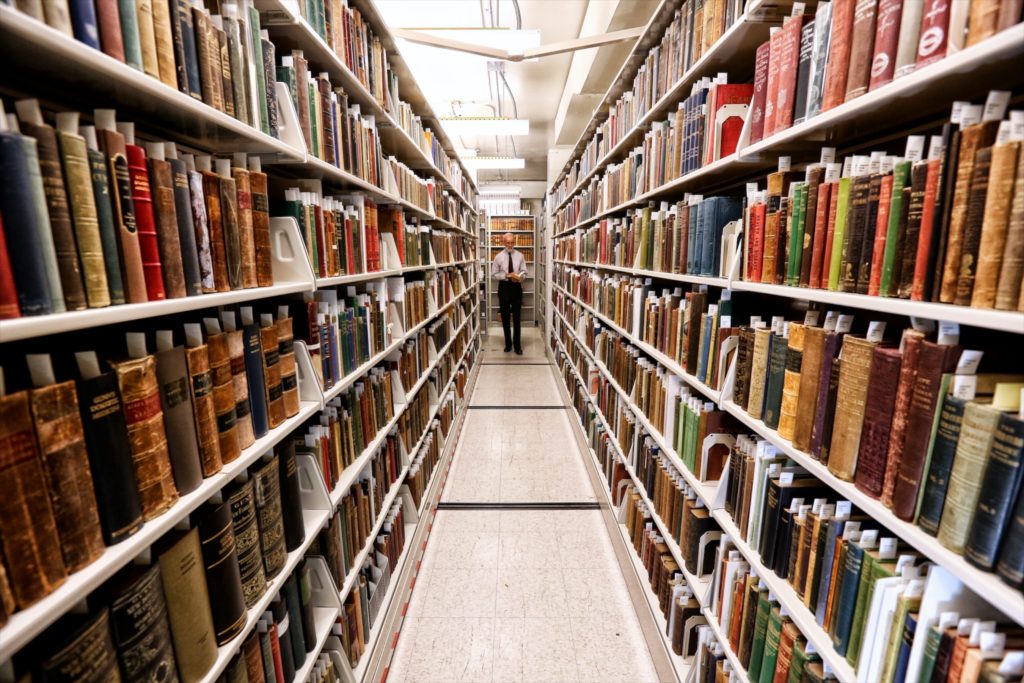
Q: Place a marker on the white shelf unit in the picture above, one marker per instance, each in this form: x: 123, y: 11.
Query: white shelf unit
x: 491, y: 249
x: 79, y: 76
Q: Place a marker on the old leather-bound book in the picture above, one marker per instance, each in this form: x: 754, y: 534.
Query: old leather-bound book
x: 911, y: 344
x: 188, y: 604
x: 149, y: 242
x: 147, y: 37
x: 862, y: 43
x: 78, y: 648
x: 828, y: 386
x: 179, y: 418
x: 853, y: 237
x: 791, y: 381
x: 994, y: 226
x: 972, y: 139
x: 807, y: 395
x: 246, y: 237
x: 201, y: 390
x: 106, y: 222
x: 243, y: 413
x: 289, y: 370
x: 840, y: 47
x: 110, y: 457
x: 59, y: 214
x: 972, y: 457
x: 291, y: 501
x: 261, y: 228
x: 971, y: 242
x: 212, y: 193
x: 1012, y: 266
x: 267, y: 485
x: 108, y: 21
x: 231, y: 232
x: 162, y: 183
x: 744, y: 356
x: 201, y: 224
x: 223, y: 396
x: 887, y: 37
x: 775, y: 381
x: 146, y: 434
x: 209, y: 58
x: 934, y: 360
x: 878, y: 411
x: 226, y: 87
x: 223, y: 579
x: 113, y: 146
x: 272, y: 375
x: 255, y: 663
x: 254, y: 379
x: 758, y: 371
x: 186, y: 227
x: 75, y: 156
x: 27, y: 525
x: 247, y: 542
x: 138, y: 619
x: 68, y: 479
x: 1001, y: 482
x: 947, y: 434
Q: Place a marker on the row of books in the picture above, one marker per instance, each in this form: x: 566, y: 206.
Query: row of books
x: 353, y: 40
x: 851, y: 47
x: 102, y: 220
x: 168, y: 618
x: 501, y: 224
x: 413, y: 358
x: 695, y: 28
x: 527, y: 252
x: 142, y: 434
x: 704, y: 128
x: 519, y: 240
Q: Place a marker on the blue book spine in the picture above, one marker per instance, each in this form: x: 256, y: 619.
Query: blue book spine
x: 22, y: 233
x: 188, y: 43
x: 835, y: 527
x: 83, y: 22
x: 903, y: 660
x: 846, y: 601
x: 729, y: 210
x: 254, y: 375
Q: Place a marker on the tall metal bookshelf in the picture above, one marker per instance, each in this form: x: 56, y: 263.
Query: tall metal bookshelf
x: 524, y: 226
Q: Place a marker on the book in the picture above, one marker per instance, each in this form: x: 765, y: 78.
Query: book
x: 272, y: 375
x: 267, y: 488
x: 1000, y: 487
x: 254, y: 379
x: 933, y: 36
x: 291, y: 501
x: 179, y: 418
x: 971, y: 240
x: 764, y: 612
x: 8, y: 292
x: 201, y: 392
x: 186, y: 51
x: 803, y: 74
x: 108, y: 25
x: 106, y: 221
x: 114, y: 147
x: 247, y: 240
x: 758, y: 372
x: 145, y: 423
x: 261, y: 228
x: 200, y: 221
x: 943, y: 452
x: 243, y: 413
x: 223, y: 396
x: 880, y: 399
x: 807, y: 391
x: 289, y: 369
x: 68, y: 479
x: 840, y: 46
x: 911, y: 343
x: 777, y: 356
x: 886, y: 44
x: 190, y: 256
x: 142, y: 200
x: 862, y: 39
x: 78, y: 648
x: 188, y: 607
x: 759, y: 100
x: 247, y: 541
x: 139, y: 625
x: 854, y: 372
x: 218, y: 253
x: 223, y: 579
x: 992, y: 235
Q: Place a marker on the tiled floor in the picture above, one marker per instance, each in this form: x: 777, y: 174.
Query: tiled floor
x: 519, y: 595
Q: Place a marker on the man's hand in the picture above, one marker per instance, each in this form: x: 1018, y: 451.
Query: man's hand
x: 515, y: 277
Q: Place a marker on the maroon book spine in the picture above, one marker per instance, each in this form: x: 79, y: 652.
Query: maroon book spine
x: 8, y: 292
x: 874, y: 437
x: 760, y: 92
x: 149, y: 243
x: 887, y: 39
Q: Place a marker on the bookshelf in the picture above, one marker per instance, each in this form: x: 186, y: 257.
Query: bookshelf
x: 592, y: 281
x: 523, y: 227
x: 68, y: 75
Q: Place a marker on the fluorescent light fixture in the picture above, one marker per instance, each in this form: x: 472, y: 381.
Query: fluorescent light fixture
x: 481, y: 162
x: 466, y: 125
x: 499, y: 189
x: 465, y: 152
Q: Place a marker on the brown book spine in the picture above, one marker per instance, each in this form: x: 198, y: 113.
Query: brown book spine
x: 934, y: 360
x: 855, y: 365
x: 272, y: 375
x: 995, y: 224
x: 231, y: 231
x: 69, y: 479
x: 211, y: 191
x: 906, y: 255
x: 247, y: 239
x: 108, y: 20
x: 188, y: 607
x: 60, y: 214
x: 791, y: 382
x: 904, y: 390
x: 201, y: 388
x: 226, y: 87
x: 838, y: 65
x: 114, y: 148
x: 984, y: 20
x: 243, y: 412
x: 164, y: 43
x: 223, y: 396
x: 971, y: 243
x: 289, y: 371
x: 972, y: 139
x: 209, y: 59
x: 810, y: 375
x: 862, y: 43
x: 1012, y: 267
x: 771, y: 239
x: 261, y: 228
x: 167, y: 228
x: 27, y: 526
x: 878, y: 414
x: 145, y: 420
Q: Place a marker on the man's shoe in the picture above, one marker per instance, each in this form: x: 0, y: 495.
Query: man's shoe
x: 519, y: 352
x: 508, y: 349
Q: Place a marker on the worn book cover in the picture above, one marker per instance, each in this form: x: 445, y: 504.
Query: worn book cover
x: 223, y: 396
x: 179, y: 417
x: 188, y: 604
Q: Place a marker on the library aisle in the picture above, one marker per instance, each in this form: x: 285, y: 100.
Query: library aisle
x: 519, y: 580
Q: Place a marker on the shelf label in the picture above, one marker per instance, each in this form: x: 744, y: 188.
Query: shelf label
x: 828, y: 155
x: 935, y: 147
x: 833, y: 172
x: 843, y: 509
x: 831, y: 317
x: 785, y: 163
x: 845, y: 323
x: 995, y: 105
x: 1017, y: 125
x: 957, y: 112
x: 811, y: 318
x: 970, y: 115
x: 876, y: 331
x: 949, y: 333
x: 915, y: 148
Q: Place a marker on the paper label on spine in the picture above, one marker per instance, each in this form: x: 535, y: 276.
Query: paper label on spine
x: 949, y: 333
x: 876, y: 331
x: 828, y: 155
x: 915, y: 148
x: 845, y: 323
x: 995, y: 105
x: 971, y: 115
x: 785, y: 163
x: 811, y: 318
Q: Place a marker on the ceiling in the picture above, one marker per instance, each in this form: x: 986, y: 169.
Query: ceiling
x: 458, y: 84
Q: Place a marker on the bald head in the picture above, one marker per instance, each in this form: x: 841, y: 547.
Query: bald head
x: 509, y: 240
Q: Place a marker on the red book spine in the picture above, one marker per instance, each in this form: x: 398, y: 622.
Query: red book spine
x: 729, y: 135
x: 8, y: 292
x: 838, y: 54
x: 109, y: 21
x: 774, y: 67
x: 350, y: 263
x: 820, y: 220
x: 924, y: 237
x: 149, y: 243
x: 321, y: 240
x: 789, y: 56
x: 934, y: 34
x: 275, y: 649
x: 881, y: 228
x: 757, y: 216
x: 760, y: 92
x: 833, y: 203
x: 887, y: 38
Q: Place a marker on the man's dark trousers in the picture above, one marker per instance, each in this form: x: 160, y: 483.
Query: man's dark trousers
x: 510, y: 301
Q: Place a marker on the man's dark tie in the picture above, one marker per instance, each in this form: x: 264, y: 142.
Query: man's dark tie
x: 510, y: 271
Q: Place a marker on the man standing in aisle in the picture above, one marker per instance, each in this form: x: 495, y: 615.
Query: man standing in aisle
x: 509, y: 269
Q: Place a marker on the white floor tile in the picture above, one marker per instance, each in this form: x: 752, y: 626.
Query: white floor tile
x: 444, y: 650
x: 514, y: 385
x: 531, y: 592
x: 535, y: 650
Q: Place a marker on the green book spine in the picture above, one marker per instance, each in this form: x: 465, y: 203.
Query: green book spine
x: 261, y: 79
x: 130, y: 33
x: 649, y: 258
x: 903, y: 607
x: 314, y: 120
x: 900, y: 176
x: 764, y: 608
x: 799, y: 662
x: 842, y: 208
x: 947, y: 379
x: 931, y: 648
x: 846, y: 600
x: 796, y: 237
x: 108, y: 231
x: 692, y: 433
x: 872, y: 571
x: 771, y: 646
